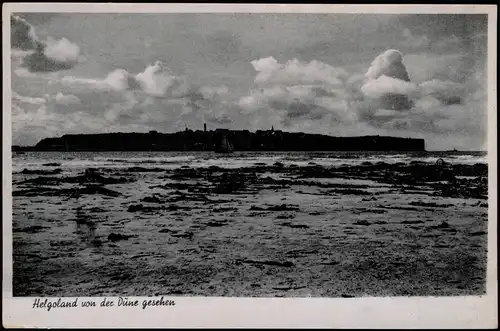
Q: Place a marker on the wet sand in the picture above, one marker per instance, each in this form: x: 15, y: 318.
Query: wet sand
x: 261, y: 231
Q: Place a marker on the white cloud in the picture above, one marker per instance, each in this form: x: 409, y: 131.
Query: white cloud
x: 427, y: 103
x: 41, y: 56
x: 24, y: 73
x: 445, y: 91
x: 390, y: 64
x: 22, y: 34
x: 295, y: 72
x: 118, y: 80
x: 66, y: 99
x: 156, y: 80
x: 387, y: 81
x: 59, y: 98
x: 29, y: 100
x: 113, y: 113
x: 383, y: 85
x: 296, y: 91
x: 30, y: 123
x: 78, y: 82
x: 61, y: 50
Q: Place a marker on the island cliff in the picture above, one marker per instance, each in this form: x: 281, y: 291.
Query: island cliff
x: 241, y: 140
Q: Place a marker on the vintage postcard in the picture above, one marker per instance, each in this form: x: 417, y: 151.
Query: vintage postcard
x: 218, y: 165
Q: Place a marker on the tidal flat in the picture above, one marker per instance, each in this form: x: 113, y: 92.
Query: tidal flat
x: 254, y: 230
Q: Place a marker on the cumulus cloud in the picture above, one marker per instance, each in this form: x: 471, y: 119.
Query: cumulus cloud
x: 382, y: 101
x: 295, y: 72
x: 30, y: 123
x: 427, y: 102
x: 157, y: 92
x: 62, y: 50
x: 112, y: 114
x: 110, y: 111
x: 22, y: 34
x: 438, y: 109
x: 156, y: 80
x: 43, y: 56
x: 66, y: 99
x: 118, y: 80
x: 387, y: 80
x: 53, y: 56
x: 296, y: 91
x: 390, y: 64
x: 294, y: 103
x: 388, y: 83
x: 29, y: 100
x: 152, y: 98
x: 59, y: 98
x: 384, y: 85
x: 294, y: 96
x: 447, y: 92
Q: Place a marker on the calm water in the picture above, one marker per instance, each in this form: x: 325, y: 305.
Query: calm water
x: 81, y: 160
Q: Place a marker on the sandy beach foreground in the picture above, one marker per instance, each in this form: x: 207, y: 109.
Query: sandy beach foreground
x: 374, y: 229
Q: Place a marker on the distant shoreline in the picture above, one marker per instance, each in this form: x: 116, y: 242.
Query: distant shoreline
x: 242, y: 140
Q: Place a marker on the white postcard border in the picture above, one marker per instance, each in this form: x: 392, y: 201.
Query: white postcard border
x: 388, y: 312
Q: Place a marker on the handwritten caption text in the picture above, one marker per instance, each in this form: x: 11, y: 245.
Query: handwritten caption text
x: 50, y: 304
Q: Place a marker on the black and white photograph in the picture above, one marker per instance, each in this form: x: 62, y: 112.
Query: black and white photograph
x: 253, y: 154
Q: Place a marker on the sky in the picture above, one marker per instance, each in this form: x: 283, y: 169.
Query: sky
x: 418, y: 75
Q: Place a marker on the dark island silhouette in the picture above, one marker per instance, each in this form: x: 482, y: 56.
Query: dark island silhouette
x: 241, y: 140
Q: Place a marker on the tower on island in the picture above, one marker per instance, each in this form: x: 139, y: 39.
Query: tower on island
x: 205, y: 127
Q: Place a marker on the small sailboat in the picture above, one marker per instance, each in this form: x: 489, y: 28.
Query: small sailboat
x: 66, y: 146
x: 225, y: 146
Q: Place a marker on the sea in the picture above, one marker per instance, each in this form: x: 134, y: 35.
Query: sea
x: 75, y: 161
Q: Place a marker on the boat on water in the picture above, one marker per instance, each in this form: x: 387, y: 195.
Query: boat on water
x: 224, y: 146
